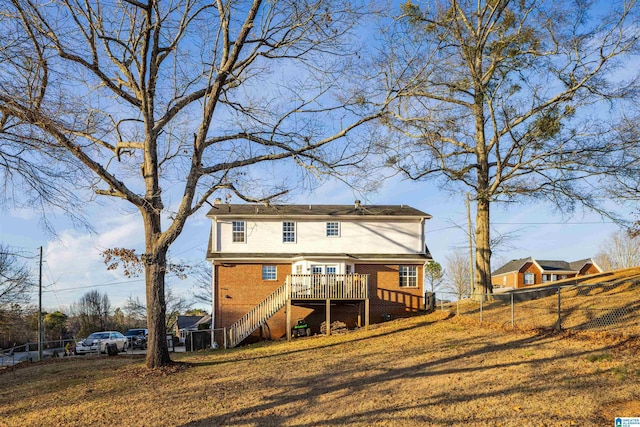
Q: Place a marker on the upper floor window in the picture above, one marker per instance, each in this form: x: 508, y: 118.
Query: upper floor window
x: 288, y: 232
x: 408, y: 276
x: 238, y: 234
x: 269, y: 272
x: 333, y: 229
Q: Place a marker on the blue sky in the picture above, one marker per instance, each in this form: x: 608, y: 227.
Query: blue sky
x: 73, y: 266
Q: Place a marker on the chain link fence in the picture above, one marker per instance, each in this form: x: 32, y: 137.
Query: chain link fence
x: 600, y: 307
x: 204, y: 339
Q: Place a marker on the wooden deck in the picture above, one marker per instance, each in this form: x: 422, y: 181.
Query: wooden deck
x: 306, y: 288
x: 329, y: 286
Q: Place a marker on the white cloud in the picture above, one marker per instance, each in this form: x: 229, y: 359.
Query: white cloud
x: 74, y: 264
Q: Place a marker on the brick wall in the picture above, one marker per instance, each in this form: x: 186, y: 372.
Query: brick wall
x: 387, y: 297
x: 240, y: 287
x: 514, y: 280
x: 588, y: 269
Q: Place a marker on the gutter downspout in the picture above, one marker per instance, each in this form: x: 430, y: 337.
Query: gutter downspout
x: 214, y: 247
x: 422, y: 238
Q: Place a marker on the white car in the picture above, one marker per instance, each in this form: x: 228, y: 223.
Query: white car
x: 98, y: 342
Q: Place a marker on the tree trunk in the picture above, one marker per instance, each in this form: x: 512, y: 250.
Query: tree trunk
x: 155, y: 265
x: 483, y: 249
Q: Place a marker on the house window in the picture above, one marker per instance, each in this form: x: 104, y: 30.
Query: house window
x: 408, y: 276
x: 238, y: 232
x: 545, y: 278
x: 288, y: 232
x: 269, y: 272
x: 333, y: 229
x: 529, y: 278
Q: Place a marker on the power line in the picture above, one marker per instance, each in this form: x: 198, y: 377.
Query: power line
x: 554, y: 223
x: 96, y: 286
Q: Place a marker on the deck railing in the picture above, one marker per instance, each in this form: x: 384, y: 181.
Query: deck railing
x: 329, y: 286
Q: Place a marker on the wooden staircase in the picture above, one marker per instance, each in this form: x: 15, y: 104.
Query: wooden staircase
x: 258, y: 315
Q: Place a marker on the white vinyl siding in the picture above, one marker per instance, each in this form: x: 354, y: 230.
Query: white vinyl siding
x: 356, y: 236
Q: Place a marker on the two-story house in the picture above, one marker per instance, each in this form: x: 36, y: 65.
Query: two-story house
x: 275, y: 264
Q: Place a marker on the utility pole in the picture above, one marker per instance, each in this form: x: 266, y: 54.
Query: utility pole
x: 471, y: 275
x: 40, y: 328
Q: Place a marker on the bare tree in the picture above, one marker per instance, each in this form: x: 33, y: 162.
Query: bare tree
x: 16, y: 281
x: 170, y: 103
x: 92, y: 313
x: 30, y: 177
x: 621, y: 250
x: 509, y: 100
x: 175, y: 305
x: 458, y: 276
x: 202, y: 291
x: 625, y: 183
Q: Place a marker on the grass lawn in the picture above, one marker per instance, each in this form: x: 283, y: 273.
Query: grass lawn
x: 426, y: 370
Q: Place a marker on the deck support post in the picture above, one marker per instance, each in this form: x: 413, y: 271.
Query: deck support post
x: 328, y: 303
x: 288, y: 310
x: 366, y: 314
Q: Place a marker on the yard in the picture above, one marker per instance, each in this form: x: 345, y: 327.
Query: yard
x: 426, y: 370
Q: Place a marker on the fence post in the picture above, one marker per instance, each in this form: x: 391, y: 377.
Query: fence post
x: 559, y: 325
x: 512, y: 312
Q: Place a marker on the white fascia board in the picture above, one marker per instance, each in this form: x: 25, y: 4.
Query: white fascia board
x: 559, y: 272
x: 322, y: 217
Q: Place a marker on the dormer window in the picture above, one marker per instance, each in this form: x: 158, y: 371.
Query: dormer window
x: 529, y: 278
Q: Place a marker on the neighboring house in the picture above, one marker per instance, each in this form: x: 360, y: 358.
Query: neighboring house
x: 523, y: 272
x: 185, y: 324
x: 326, y: 262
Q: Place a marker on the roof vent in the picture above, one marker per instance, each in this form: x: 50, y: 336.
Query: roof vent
x: 357, y: 204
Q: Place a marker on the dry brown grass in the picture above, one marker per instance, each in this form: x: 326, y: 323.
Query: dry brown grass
x: 426, y: 370
x: 602, y: 302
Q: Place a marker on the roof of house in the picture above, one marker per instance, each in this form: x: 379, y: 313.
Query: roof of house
x: 357, y: 209
x: 577, y: 265
x: 512, y: 266
x: 546, y: 265
x: 554, y: 265
x: 185, y: 322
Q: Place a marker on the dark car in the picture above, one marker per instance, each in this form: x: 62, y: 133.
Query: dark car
x: 137, y: 338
